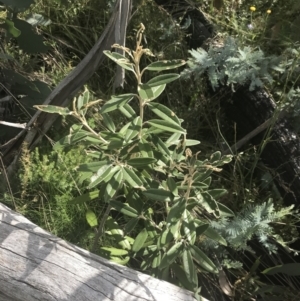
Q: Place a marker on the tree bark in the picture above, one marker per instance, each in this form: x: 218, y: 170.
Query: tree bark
x: 35, y: 265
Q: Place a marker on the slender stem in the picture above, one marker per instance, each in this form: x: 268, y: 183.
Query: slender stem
x: 100, y: 229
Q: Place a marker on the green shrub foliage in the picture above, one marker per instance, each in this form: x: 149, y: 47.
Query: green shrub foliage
x: 161, y: 207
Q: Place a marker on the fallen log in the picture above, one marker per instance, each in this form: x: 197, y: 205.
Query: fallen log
x: 36, y: 265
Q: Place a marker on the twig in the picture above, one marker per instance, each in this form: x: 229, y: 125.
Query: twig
x: 252, y: 134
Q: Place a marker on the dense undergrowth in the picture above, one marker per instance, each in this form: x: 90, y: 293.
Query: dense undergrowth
x: 54, y: 187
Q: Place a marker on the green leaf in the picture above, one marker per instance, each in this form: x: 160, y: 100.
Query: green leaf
x: 124, y: 208
x: 191, y: 142
x: 131, y: 178
x: 215, y: 156
x: 119, y: 260
x: 135, y: 201
x: 112, y: 228
x: 128, y: 111
x: 120, y: 60
x: 148, y: 93
x: 201, y: 229
x: 172, y: 254
x: 92, y: 166
x: 10, y: 27
x: 149, y: 250
x: 91, y: 218
x: 158, y: 90
x: 133, y: 129
x: 162, y: 79
x: 172, y: 186
x: 29, y: 40
x: 116, y: 102
x: 224, y: 210
x: 176, y: 212
x: 102, y: 173
x: 156, y: 260
x: 131, y: 225
x: 140, y: 162
x: 165, y: 237
x: 113, y: 184
x: 291, y: 269
x: 189, y: 268
x: 110, y: 251
x: 166, y: 126
x: 158, y: 195
x: 173, y: 140
x: 189, y: 227
x: 140, y: 240
x: 182, y: 277
x: 145, y: 92
x: 208, y: 202
x: 145, y: 148
x: 92, y: 195
x: 203, y: 260
x: 161, y: 146
x: 83, y: 99
x: 54, y: 109
x: 217, y: 193
x: 109, y: 123
x: 165, y: 65
x: 214, y: 235
x: 164, y: 112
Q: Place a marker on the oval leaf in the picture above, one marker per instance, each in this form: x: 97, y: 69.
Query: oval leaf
x: 119, y: 59
x: 116, y: 102
x: 166, y: 126
x: 54, y: 109
x: 203, y: 260
x: 172, y: 254
x: 164, y: 112
x: 91, y: 218
x: 162, y: 79
x: 140, y: 240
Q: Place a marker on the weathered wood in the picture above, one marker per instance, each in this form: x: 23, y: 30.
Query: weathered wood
x: 35, y: 265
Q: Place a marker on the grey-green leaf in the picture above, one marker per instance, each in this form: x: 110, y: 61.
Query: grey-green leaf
x: 120, y: 60
x: 203, y: 260
x: 116, y: 102
x: 164, y: 112
x: 162, y: 79
x: 166, y: 126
